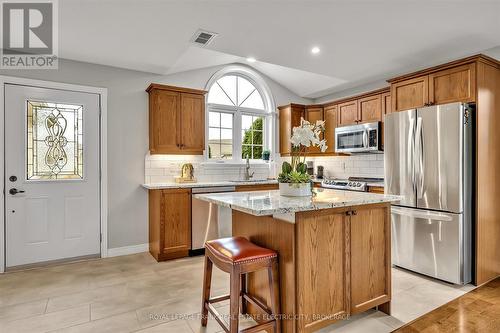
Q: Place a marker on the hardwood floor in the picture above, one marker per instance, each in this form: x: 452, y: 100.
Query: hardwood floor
x: 476, y: 311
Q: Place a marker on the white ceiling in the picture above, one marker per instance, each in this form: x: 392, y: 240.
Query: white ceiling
x: 360, y: 41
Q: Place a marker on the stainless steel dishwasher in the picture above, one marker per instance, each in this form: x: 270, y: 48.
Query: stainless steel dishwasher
x: 209, y: 221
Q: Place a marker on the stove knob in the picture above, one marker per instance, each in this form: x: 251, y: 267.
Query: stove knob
x: 349, y: 184
x: 358, y: 184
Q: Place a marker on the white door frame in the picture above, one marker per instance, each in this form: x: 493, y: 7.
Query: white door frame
x: 103, y: 101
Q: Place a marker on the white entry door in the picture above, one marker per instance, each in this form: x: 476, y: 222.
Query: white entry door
x: 52, y: 204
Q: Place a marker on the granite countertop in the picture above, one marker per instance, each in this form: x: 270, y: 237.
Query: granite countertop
x: 159, y: 186
x: 261, y: 203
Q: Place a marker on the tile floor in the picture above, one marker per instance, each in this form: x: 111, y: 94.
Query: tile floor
x: 136, y: 294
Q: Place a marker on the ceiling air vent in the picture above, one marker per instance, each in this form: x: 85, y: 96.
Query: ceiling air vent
x: 203, y: 37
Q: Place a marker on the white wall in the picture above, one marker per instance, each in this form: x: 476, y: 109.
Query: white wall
x: 352, y: 92
x: 128, y: 133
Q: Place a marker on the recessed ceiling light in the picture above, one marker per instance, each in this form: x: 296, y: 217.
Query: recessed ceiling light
x: 251, y: 59
x: 315, y: 50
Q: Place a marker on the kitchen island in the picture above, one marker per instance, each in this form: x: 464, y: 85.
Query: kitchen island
x: 334, y: 251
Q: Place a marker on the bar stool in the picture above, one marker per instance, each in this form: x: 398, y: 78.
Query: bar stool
x: 238, y: 256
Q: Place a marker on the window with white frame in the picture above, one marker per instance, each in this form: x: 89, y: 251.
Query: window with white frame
x: 238, y: 119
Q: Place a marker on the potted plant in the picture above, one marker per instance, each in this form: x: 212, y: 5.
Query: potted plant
x: 293, y: 179
x: 266, y: 154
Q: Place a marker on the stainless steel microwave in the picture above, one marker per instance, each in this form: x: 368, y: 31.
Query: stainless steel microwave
x: 363, y: 138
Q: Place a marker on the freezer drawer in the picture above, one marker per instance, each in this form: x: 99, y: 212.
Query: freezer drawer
x: 430, y: 243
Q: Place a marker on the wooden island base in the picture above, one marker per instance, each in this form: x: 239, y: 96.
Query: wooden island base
x: 333, y: 263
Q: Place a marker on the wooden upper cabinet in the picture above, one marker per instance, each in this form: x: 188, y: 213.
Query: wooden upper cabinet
x: 289, y: 117
x: 313, y: 114
x: 193, y: 123
x: 370, y: 109
x: 347, y: 113
x: 457, y: 84
x: 175, y: 114
x: 163, y: 118
x: 330, y: 115
x: 386, y: 109
x: 432, y: 87
x: 386, y: 104
x: 410, y: 94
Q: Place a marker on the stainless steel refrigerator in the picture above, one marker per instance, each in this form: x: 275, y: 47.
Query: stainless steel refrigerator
x: 428, y: 160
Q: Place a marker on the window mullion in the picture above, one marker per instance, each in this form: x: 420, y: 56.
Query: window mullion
x: 237, y: 149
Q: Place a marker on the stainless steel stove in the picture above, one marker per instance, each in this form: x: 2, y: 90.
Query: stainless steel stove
x: 350, y: 184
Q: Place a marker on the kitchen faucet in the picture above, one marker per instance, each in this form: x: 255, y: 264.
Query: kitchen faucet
x: 248, y: 176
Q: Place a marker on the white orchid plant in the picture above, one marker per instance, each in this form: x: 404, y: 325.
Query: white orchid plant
x: 304, y: 136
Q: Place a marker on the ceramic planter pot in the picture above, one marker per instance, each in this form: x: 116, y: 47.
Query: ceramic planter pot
x: 295, y: 189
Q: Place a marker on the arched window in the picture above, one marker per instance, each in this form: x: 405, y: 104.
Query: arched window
x: 239, y: 118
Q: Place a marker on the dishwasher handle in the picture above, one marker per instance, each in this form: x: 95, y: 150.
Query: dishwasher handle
x: 214, y: 189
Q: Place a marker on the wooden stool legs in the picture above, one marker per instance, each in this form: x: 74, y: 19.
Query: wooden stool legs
x: 207, y: 281
x: 238, y: 293
x: 234, y: 301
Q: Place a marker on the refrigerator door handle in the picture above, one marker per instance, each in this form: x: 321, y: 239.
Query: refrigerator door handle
x: 410, y: 165
x: 420, y: 158
x: 427, y: 215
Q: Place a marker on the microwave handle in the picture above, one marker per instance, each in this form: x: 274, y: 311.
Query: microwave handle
x: 365, y: 139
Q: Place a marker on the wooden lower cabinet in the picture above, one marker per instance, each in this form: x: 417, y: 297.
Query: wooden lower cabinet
x: 322, y: 269
x: 376, y: 189
x: 370, y: 254
x: 257, y: 187
x: 169, y: 223
x: 333, y: 263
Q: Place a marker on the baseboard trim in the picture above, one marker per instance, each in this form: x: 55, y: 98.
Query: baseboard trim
x: 125, y: 250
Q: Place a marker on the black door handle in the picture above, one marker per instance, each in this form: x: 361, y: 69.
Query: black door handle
x: 14, y: 191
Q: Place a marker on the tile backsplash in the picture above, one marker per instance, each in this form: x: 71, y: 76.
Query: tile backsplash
x: 366, y: 165
x: 164, y: 169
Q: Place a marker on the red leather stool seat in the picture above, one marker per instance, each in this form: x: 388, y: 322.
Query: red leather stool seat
x: 239, y: 257
x: 237, y: 250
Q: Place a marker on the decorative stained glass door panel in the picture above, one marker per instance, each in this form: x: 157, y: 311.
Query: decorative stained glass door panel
x: 54, y: 146
x: 51, y: 174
